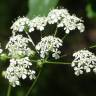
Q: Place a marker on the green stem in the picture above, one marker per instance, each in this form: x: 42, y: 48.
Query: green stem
x: 63, y: 55
x: 41, y: 34
x: 55, y: 32
x: 35, y: 61
x: 30, y: 39
x: 9, y: 90
x: 50, y: 62
x: 64, y: 37
x: 33, y: 84
x: 94, y: 46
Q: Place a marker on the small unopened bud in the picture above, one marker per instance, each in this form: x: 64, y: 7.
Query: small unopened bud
x: 3, y: 73
x: 33, y: 53
x: 40, y: 63
x: 3, y: 57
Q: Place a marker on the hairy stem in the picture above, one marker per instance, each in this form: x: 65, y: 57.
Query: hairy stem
x: 33, y: 84
x: 9, y: 90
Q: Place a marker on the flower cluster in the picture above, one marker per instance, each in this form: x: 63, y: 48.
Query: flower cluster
x: 59, y: 16
x: 20, y: 64
x: 19, y: 24
x: 19, y: 69
x: 64, y: 19
x: 84, y: 61
x: 49, y: 44
x: 19, y: 52
x: 18, y: 46
x: 38, y: 22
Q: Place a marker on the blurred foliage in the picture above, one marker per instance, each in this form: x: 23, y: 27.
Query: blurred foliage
x: 91, y: 9
x: 91, y: 12
x: 40, y: 7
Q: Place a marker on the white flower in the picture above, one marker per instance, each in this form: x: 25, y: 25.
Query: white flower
x: 31, y: 74
x: 84, y: 61
x: 71, y: 23
x: 19, y: 69
x: 81, y: 27
x: 65, y: 20
x: 1, y: 50
x: 56, y: 54
x: 18, y: 46
x: 78, y: 70
x: 37, y: 23
x: 20, y: 24
x: 49, y: 44
x: 56, y: 15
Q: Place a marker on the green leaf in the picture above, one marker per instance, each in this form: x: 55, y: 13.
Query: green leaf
x: 40, y: 7
x: 90, y: 12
